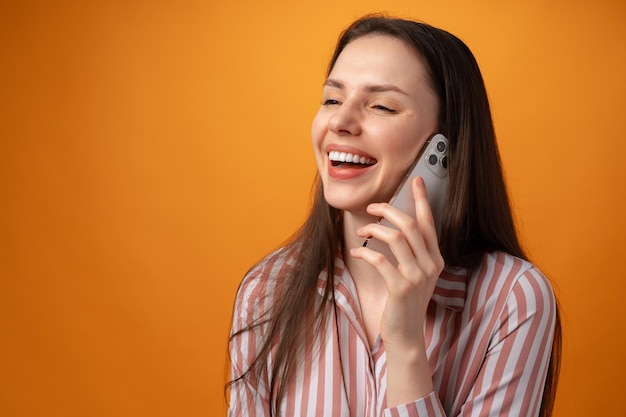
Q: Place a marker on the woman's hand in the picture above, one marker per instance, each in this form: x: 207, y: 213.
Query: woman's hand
x: 410, y: 287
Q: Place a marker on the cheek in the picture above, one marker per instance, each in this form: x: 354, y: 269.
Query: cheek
x: 318, y: 130
x: 403, y: 148
x: 412, y: 149
x: 405, y: 144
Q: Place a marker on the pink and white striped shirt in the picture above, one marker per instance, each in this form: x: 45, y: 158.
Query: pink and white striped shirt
x: 488, y: 336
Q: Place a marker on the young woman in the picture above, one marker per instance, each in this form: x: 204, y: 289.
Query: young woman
x: 460, y: 326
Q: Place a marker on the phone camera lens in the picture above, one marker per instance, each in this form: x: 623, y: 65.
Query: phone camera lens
x: 444, y: 161
x: 432, y: 159
x: 441, y: 146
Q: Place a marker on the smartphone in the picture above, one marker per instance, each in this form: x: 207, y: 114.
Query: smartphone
x: 432, y: 165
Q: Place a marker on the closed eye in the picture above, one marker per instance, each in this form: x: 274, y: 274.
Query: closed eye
x: 330, y: 102
x: 383, y: 108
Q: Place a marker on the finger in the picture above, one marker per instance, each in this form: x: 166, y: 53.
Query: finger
x: 414, y: 268
x: 424, y: 216
x: 426, y: 225
x: 395, y: 239
x: 395, y: 281
x: 408, y: 226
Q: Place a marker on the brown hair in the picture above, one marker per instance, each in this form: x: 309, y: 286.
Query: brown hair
x: 477, y: 216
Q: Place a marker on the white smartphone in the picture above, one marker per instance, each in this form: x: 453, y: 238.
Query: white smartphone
x: 432, y: 165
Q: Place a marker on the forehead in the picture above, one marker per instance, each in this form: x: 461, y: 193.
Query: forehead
x: 380, y: 59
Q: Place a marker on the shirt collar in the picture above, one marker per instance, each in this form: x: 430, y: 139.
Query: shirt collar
x: 451, y: 288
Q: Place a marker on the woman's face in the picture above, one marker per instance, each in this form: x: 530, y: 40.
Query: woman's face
x: 377, y: 112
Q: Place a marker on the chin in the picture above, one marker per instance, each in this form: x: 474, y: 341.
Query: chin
x: 347, y: 203
x: 353, y: 199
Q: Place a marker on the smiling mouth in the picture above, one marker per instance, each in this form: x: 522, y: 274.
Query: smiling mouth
x: 343, y: 159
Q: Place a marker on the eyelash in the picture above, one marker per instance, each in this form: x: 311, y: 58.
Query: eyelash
x: 380, y: 107
x: 330, y: 102
x: 383, y: 108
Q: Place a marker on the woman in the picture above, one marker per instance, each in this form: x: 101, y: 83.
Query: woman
x: 464, y: 326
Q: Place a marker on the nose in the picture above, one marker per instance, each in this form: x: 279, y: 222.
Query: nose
x: 345, y: 120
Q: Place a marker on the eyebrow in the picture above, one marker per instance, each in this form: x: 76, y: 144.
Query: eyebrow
x: 374, y: 88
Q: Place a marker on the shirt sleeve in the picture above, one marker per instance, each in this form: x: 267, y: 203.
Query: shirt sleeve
x: 247, y: 394
x: 248, y: 391
x: 513, y: 373
x: 428, y: 406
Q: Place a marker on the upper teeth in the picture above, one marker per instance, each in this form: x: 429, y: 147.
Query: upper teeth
x: 349, y: 157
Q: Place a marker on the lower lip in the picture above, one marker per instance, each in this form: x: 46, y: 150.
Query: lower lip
x: 346, y: 173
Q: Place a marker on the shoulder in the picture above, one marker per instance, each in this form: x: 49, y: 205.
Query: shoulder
x: 503, y: 280
x: 268, y: 271
x: 258, y: 287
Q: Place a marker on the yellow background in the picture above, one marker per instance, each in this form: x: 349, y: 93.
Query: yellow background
x: 152, y: 151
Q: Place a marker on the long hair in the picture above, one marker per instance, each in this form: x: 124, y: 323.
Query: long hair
x: 477, y: 217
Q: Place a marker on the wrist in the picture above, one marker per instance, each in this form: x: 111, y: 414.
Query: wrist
x: 408, y: 376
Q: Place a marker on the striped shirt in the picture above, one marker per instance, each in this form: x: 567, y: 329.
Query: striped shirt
x: 488, y: 336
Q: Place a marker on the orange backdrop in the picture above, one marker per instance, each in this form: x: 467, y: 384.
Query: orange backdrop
x: 152, y: 151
